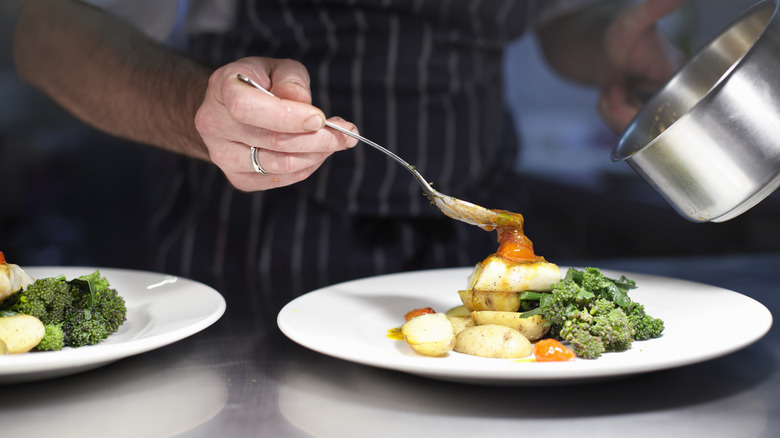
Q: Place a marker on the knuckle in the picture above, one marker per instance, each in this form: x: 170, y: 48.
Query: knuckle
x: 204, y: 120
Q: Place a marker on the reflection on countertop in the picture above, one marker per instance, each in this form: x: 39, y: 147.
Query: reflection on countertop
x: 383, y: 404
x: 145, y: 396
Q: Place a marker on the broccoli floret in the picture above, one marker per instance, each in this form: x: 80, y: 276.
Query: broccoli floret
x: 97, y: 311
x: 610, y: 324
x: 576, y: 331
x: 53, y: 340
x: 565, y: 298
x: 597, y: 329
x: 643, y: 326
x: 613, y: 329
x: 594, y: 280
x: 602, y: 306
x: 94, y: 293
x: 112, y: 309
x: 46, y: 299
x: 81, y: 328
x: 585, y: 345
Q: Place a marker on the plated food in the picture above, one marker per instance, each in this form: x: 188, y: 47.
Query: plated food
x: 162, y: 309
x: 53, y: 313
x: 514, y: 299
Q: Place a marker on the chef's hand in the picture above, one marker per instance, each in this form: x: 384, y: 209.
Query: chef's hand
x: 286, y: 129
x: 640, y: 60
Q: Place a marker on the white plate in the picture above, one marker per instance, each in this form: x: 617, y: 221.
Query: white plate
x: 161, y: 309
x: 350, y: 321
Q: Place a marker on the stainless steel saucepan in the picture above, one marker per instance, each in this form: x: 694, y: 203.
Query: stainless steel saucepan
x: 709, y: 140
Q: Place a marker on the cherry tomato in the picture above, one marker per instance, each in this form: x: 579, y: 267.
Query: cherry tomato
x: 550, y: 350
x: 417, y: 312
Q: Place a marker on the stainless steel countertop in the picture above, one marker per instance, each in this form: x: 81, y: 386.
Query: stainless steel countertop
x: 243, y: 378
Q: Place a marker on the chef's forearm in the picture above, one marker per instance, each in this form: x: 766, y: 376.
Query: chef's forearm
x: 110, y: 75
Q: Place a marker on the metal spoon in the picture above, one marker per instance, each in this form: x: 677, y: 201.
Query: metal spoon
x: 453, y: 207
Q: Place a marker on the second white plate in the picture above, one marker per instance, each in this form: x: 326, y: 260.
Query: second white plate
x: 161, y: 309
x: 350, y: 321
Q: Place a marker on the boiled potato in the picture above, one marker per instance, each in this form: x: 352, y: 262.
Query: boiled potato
x: 459, y: 311
x: 532, y: 327
x: 460, y: 323
x: 431, y: 334
x: 484, y: 300
x: 460, y: 317
x: 3, y: 347
x: 21, y: 333
x: 494, y: 341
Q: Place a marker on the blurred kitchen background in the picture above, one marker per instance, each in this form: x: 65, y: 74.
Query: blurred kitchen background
x: 72, y: 196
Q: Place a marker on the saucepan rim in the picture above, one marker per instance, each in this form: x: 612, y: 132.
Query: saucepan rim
x: 623, y: 151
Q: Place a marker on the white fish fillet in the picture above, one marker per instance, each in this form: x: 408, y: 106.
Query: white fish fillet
x: 496, y: 274
x: 12, y: 280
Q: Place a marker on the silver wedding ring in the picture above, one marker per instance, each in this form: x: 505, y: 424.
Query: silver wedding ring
x: 256, y: 164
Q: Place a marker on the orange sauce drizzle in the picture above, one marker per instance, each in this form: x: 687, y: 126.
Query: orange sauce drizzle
x: 513, y: 245
x: 395, y: 334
